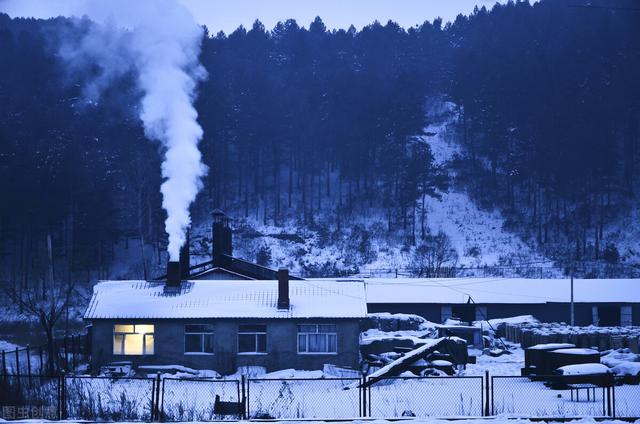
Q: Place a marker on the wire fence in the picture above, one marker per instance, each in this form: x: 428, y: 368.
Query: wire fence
x: 426, y: 396
x: 30, y: 397
x: 191, y: 399
x: 626, y: 400
x: 174, y: 399
x: 304, y: 398
x: 65, y: 355
x: 552, y: 396
x: 108, y: 399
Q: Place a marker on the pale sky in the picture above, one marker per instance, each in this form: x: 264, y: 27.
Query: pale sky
x: 227, y: 15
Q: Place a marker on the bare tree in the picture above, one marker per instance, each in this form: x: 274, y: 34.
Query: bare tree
x: 47, y: 305
x: 434, y: 253
x: 47, y: 311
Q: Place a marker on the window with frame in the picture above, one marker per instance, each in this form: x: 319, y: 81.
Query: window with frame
x: 133, y: 339
x: 252, y: 339
x: 198, y: 338
x: 317, y: 338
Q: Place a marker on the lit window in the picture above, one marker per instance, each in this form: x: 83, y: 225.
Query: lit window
x: 198, y: 338
x: 317, y: 338
x: 130, y: 339
x: 252, y: 339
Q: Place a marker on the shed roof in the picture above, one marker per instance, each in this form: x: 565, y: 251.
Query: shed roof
x: 226, y: 299
x: 500, y: 290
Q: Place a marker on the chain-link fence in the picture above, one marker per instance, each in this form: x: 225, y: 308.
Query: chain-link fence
x: 199, y: 399
x: 426, y: 396
x: 108, y: 399
x: 30, y: 397
x: 550, y: 396
x: 173, y: 399
x: 304, y: 398
x: 626, y: 401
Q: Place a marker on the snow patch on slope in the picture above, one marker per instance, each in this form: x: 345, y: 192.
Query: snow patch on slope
x: 478, y: 235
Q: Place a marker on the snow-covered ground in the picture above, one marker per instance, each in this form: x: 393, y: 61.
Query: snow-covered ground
x: 423, y: 420
x: 508, y: 364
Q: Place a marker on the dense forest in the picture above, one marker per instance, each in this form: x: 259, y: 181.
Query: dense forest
x: 325, y: 128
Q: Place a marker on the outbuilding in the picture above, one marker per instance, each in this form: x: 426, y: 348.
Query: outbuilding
x: 601, y: 302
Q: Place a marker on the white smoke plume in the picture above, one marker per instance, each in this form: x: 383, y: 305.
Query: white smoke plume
x: 160, y: 42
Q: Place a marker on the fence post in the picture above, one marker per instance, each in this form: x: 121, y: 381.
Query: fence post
x: 41, y: 359
x: 487, y: 412
x: 158, y: 407
x: 4, y: 365
x: 363, y: 395
x: 73, y: 352
x: 613, y: 395
x: 28, y: 363
x: 243, y: 401
x: 64, y: 395
x: 248, y: 395
x: 17, y: 363
x: 152, y: 405
x: 59, y: 398
x: 609, y: 413
x: 367, y: 393
x: 66, y: 353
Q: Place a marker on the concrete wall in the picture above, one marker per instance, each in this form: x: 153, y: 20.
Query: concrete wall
x: 545, y: 312
x: 281, y: 345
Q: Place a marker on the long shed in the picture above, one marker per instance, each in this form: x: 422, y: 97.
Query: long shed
x: 603, y: 302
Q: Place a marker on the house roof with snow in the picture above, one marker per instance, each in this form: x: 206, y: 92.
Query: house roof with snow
x: 226, y: 299
x: 500, y: 290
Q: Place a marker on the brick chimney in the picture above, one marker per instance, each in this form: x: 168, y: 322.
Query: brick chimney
x: 283, y: 289
x: 222, y: 239
x: 173, y: 275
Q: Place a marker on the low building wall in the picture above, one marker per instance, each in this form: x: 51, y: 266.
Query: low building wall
x: 281, y: 345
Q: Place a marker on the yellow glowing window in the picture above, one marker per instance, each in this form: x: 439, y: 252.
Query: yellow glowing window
x: 133, y: 339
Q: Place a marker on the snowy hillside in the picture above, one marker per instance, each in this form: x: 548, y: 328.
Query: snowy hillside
x: 478, y: 235
x: 363, y: 244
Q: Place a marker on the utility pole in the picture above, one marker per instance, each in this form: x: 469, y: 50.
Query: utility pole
x: 573, y: 319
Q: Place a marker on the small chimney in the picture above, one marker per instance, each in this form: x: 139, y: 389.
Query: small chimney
x: 283, y: 288
x: 173, y: 274
x: 185, y: 259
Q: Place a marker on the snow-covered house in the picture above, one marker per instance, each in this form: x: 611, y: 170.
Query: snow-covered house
x: 222, y: 324
x: 603, y: 302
